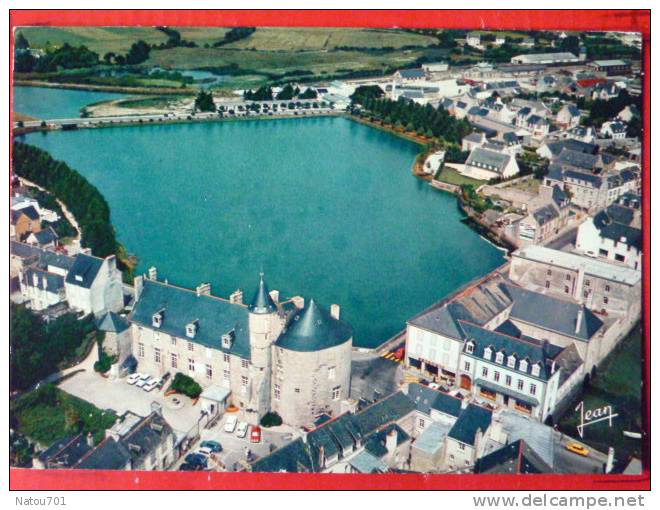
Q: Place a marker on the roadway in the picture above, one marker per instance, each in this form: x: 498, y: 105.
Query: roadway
x: 569, y: 462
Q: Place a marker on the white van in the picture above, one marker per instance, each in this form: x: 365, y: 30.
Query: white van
x: 230, y: 424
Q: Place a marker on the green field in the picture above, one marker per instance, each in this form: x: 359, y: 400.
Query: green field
x: 617, y: 383
x: 451, y: 176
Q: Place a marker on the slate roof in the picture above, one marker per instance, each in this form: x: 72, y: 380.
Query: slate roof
x: 84, y: 270
x: 215, y: 316
x: 508, y: 391
x: 583, y: 177
x: 314, y: 329
x: 569, y: 360
x: 559, y: 197
x: 40, y: 256
x: 532, y: 351
x: 412, y: 73
x: 545, y: 214
x: 44, y: 279
x: 432, y: 438
x: 261, y: 302
x: 109, y: 454
x: 487, y: 159
x: 577, y: 159
x: 30, y: 212
x: 472, y: 419
x: 375, y: 443
x: 474, y: 137
x: 391, y: 408
x: 553, y: 314
x: 367, y: 463
x: 45, y: 236
x: 426, y: 399
x: 572, y: 144
x: 608, y: 224
x: 515, y: 458
x: 65, y: 452
x: 144, y: 438
x: 113, y: 323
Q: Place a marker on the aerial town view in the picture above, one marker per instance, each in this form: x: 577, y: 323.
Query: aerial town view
x: 326, y: 250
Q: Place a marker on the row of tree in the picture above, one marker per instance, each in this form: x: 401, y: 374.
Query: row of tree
x: 82, y: 198
x: 265, y: 93
x: 423, y: 119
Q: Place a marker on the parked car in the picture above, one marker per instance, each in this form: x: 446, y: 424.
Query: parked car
x: 214, y: 446
x: 241, y: 430
x: 133, y: 378
x: 150, y: 384
x: 196, y: 459
x: 204, y: 451
x: 577, y: 448
x: 190, y: 467
x: 230, y: 424
x: 163, y: 380
x: 255, y: 434
x: 142, y: 380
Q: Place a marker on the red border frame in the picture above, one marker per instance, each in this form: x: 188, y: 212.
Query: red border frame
x: 597, y: 20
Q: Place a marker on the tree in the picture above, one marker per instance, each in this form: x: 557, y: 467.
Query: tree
x: 138, y: 53
x: 21, y: 43
x: 310, y: 93
x: 286, y: 93
x: 109, y: 57
x: 204, y: 102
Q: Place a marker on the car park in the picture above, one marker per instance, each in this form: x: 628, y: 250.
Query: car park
x: 214, y: 446
x: 230, y: 424
x: 241, y: 430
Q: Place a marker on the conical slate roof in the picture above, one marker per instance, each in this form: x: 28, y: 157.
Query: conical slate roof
x: 314, y: 329
x: 262, y: 302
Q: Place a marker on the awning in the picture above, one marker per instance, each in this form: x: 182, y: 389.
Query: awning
x: 488, y: 385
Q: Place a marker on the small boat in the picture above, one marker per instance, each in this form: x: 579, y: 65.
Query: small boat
x: 633, y: 435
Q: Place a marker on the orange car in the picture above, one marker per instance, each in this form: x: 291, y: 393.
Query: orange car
x: 577, y: 448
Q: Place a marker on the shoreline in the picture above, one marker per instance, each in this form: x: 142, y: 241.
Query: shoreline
x: 105, y: 88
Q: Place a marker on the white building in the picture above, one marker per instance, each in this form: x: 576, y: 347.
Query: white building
x: 485, y: 164
x: 613, y: 129
x: 94, y: 285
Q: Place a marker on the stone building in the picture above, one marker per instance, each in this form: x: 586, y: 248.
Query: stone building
x: 312, y: 369
x: 94, y: 285
x: 262, y: 356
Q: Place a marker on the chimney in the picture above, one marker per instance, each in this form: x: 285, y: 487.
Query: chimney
x: 275, y: 295
x: 578, y: 321
x: 153, y: 273
x: 138, y: 284
x: 390, y: 442
x: 236, y: 297
x: 334, y: 311
x: 610, y: 460
x: 204, y: 289
x: 299, y: 302
x: 322, y: 457
x: 112, y: 263
x: 90, y: 440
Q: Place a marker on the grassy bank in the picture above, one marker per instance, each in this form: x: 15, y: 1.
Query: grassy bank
x: 617, y: 383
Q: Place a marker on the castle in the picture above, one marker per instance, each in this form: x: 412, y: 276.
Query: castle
x: 289, y: 356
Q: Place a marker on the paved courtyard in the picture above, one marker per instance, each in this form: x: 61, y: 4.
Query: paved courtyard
x: 120, y: 396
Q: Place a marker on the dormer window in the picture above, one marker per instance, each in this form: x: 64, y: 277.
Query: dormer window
x: 536, y: 369
x: 157, y: 318
x: 499, y: 357
x: 523, y: 365
x: 79, y: 278
x: 488, y: 352
x: 228, y: 339
x: 511, y: 362
x: 191, y: 329
x: 469, y: 347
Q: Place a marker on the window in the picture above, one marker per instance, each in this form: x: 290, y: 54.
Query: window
x: 606, y: 300
x: 226, y: 375
x: 521, y: 384
x: 549, y: 273
x: 461, y: 446
x: 619, y: 258
x: 532, y: 389
x: 244, y: 384
x: 331, y: 373
x: 587, y: 283
x: 469, y: 348
x: 536, y: 370
x: 209, y: 372
x: 603, y: 253
x: 191, y: 346
x: 297, y: 390
x: 244, y: 363
x: 507, y: 380
x: 511, y: 362
x: 607, y: 288
x: 523, y: 365
x: 586, y: 293
x: 466, y: 366
x: 277, y: 392
x: 487, y: 352
x: 496, y: 376
x: 499, y: 357
x: 421, y: 423
x: 484, y: 371
x: 156, y: 354
x: 336, y: 391
x: 173, y: 359
x: 191, y: 364
x: 173, y: 340
x: 141, y: 350
x: 547, y: 284
x: 225, y: 357
x: 566, y: 289
x: 568, y: 277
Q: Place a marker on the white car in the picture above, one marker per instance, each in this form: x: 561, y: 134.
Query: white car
x: 204, y: 451
x: 133, y: 378
x: 230, y: 424
x: 150, y: 384
x: 241, y: 430
x: 144, y: 378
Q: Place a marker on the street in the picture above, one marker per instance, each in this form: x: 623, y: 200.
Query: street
x: 569, y: 462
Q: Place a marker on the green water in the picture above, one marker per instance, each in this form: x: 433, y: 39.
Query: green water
x: 328, y: 207
x: 50, y: 103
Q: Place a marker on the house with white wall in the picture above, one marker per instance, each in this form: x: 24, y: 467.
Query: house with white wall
x: 94, y: 285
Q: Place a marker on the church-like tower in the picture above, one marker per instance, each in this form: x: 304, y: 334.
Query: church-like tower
x: 265, y: 326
